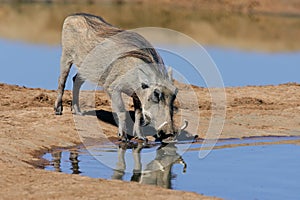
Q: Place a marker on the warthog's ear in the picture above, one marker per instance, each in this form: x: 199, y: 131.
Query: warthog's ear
x: 156, y: 96
x: 170, y: 74
x: 144, y: 86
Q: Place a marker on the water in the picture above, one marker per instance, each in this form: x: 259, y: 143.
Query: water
x: 247, y: 49
x: 38, y: 65
x: 256, y: 168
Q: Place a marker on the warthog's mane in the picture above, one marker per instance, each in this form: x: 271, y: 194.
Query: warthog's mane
x: 144, y: 54
x: 99, y: 26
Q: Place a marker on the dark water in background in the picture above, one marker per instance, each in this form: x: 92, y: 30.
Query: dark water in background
x: 244, y: 172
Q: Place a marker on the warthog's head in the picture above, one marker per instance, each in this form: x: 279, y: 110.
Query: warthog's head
x: 158, y: 107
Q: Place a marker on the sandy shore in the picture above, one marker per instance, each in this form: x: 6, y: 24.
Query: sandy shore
x: 30, y: 128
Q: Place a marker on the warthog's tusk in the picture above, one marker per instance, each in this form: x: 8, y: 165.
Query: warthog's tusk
x: 162, y: 125
x: 186, y: 123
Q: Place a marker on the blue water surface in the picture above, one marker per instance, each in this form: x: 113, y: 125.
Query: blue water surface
x: 245, y: 172
x: 33, y: 65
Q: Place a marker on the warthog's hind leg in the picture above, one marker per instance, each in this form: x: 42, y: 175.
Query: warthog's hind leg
x: 77, y: 83
x: 65, y: 66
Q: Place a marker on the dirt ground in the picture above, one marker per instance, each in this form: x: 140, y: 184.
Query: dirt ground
x: 29, y: 128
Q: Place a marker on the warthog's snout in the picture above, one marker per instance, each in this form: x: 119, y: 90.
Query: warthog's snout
x: 168, y: 134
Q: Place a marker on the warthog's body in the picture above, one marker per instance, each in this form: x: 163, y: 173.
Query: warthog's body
x: 121, y: 62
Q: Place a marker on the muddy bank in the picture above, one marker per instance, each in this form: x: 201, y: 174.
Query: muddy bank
x: 29, y: 127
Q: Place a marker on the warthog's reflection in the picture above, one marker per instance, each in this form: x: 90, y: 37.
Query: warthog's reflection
x: 56, y: 159
x: 157, y: 172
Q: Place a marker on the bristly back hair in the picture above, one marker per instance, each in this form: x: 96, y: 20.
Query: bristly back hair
x: 99, y: 25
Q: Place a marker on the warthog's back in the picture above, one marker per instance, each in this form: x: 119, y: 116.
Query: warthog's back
x: 93, y: 45
x: 82, y: 32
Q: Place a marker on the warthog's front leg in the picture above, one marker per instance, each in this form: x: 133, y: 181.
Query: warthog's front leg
x: 138, y: 117
x: 119, y: 108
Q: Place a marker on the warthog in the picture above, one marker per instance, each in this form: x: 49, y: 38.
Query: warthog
x: 121, y: 62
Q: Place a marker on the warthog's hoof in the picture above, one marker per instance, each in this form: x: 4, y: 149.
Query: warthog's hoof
x: 139, y: 140
x: 58, y: 111
x: 142, y: 139
x: 169, y: 140
x: 76, y: 110
x: 77, y: 113
x: 122, y: 137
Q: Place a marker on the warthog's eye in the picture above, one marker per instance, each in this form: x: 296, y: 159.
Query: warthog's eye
x: 156, y: 96
x: 144, y: 86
